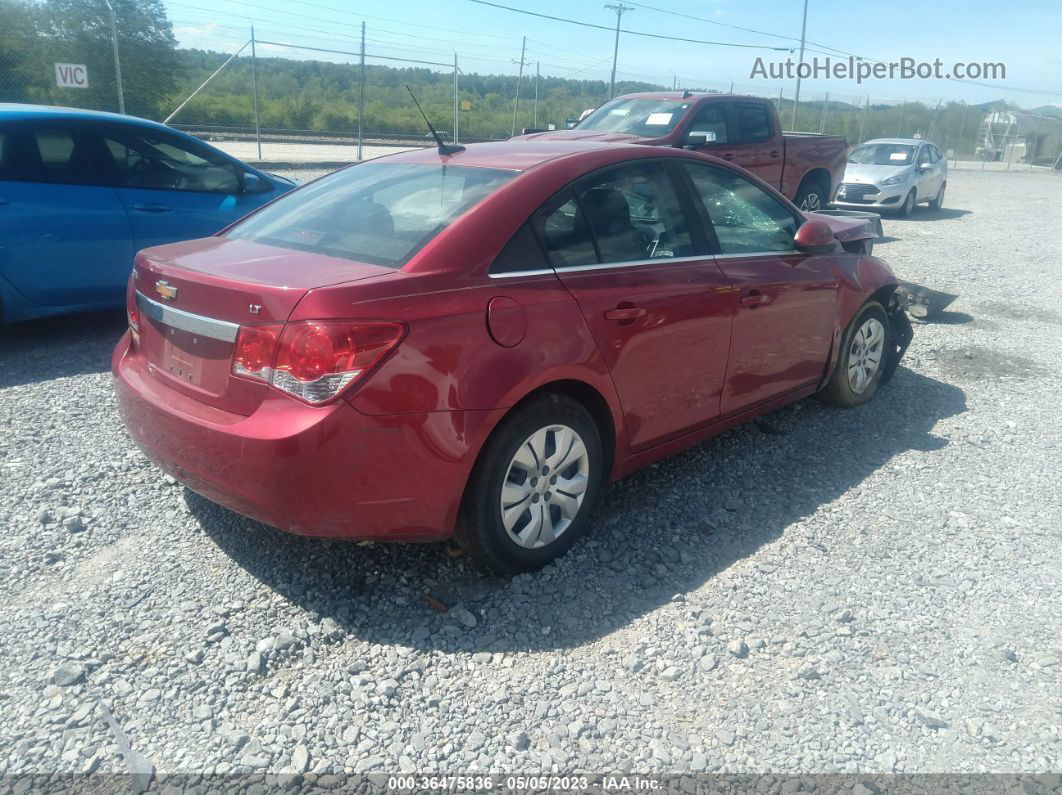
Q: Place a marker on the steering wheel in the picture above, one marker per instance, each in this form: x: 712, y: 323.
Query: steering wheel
x: 158, y: 174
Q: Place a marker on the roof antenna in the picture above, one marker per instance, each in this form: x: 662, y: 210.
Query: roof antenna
x: 444, y: 148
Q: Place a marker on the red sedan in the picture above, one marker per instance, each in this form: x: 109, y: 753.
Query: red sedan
x: 473, y: 343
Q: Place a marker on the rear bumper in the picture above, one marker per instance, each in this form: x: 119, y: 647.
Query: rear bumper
x: 319, y: 471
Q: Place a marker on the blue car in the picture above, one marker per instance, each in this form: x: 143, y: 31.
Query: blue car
x: 81, y: 192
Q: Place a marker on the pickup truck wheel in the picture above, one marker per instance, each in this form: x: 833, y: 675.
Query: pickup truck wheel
x: 862, y: 360
x: 810, y: 198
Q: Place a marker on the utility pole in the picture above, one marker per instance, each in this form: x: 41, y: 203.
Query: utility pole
x: 456, y: 90
x: 863, y: 123
x: 619, y: 8
x: 674, y: 82
x: 361, y: 94
x: 117, y: 63
x: 254, y: 90
x: 803, y: 32
x: 535, y: 122
x: 519, y: 79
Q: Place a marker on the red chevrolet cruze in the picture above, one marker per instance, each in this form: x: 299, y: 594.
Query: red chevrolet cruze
x: 473, y: 343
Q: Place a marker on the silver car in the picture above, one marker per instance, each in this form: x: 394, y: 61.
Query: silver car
x: 893, y: 174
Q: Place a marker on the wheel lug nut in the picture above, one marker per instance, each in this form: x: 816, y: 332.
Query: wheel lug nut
x: 553, y: 481
x: 545, y: 471
x: 548, y: 495
x: 534, y: 482
x: 534, y: 498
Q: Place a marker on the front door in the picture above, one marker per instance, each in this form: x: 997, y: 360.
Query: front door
x: 659, y: 309
x: 786, y: 300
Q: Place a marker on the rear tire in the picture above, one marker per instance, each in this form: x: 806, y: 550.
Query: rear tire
x: 863, y: 358
x: 810, y: 197
x: 534, y: 486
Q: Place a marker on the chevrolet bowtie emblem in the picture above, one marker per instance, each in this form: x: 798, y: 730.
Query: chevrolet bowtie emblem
x: 166, y: 290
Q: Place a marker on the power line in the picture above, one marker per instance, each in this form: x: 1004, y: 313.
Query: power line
x: 624, y: 30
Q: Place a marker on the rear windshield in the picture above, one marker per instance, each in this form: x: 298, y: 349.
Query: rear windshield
x: 380, y: 213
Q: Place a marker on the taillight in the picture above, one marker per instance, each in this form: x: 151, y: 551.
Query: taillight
x: 132, y: 311
x: 314, y: 360
x: 253, y: 353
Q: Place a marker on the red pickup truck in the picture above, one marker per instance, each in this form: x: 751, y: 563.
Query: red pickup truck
x: 806, y: 167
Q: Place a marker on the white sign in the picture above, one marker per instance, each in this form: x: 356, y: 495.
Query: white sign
x: 71, y: 75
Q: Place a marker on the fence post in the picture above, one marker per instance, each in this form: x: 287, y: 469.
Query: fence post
x: 962, y: 129
x: 535, y: 122
x: 1036, y: 143
x: 117, y: 62
x: 361, y: 93
x: 899, y: 124
x: 822, y: 120
x: 456, y: 90
x: 254, y: 90
x: 863, y: 123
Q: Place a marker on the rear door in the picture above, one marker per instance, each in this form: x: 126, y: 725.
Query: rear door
x: 758, y: 146
x: 64, y: 240
x: 786, y: 300
x: 172, y: 188
x: 629, y: 248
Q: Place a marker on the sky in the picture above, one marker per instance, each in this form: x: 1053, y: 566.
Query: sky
x: 1024, y: 35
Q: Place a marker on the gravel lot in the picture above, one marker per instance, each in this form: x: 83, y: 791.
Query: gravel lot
x: 870, y: 590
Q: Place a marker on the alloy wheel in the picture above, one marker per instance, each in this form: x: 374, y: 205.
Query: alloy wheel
x: 544, y: 486
x: 811, y: 203
x: 864, y: 354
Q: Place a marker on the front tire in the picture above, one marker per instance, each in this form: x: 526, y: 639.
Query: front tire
x: 863, y: 359
x: 908, y: 205
x: 938, y: 202
x: 534, y: 486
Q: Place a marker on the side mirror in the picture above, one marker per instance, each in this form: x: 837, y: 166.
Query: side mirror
x: 695, y: 140
x: 252, y: 183
x: 815, y: 237
x: 923, y: 167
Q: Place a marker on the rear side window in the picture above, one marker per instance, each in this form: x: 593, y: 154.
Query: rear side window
x: 43, y: 153
x: 564, y: 233
x: 380, y: 213
x: 521, y: 253
x: 754, y: 124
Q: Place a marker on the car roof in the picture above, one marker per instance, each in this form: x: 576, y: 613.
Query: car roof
x: 910, y: 141
x: 683, y: 95
x: 515, y: 155
x: 12, y: 110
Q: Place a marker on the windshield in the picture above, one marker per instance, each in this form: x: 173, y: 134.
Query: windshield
x: 882, y: 155
x: 380, y: 213
x: 646, y: 117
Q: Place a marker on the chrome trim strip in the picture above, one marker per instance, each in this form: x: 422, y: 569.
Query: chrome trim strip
x: 759, y: 254
x: 514, y: 274
x: 186, y: 321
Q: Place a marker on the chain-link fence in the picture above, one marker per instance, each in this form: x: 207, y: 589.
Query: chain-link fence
x: 295, y: 93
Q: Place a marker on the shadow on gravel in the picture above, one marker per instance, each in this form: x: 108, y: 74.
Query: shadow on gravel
x: 943, y: 214
x: 58, y: 347
x: 661, y: 532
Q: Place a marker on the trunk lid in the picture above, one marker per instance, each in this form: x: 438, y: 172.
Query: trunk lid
x: 194, y: 296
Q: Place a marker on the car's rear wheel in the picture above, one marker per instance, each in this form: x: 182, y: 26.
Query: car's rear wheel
x: 938, y: 202
x: 862, y: 360
x: 534, y: 486
x: 810, y: 197
x: 908, y: 205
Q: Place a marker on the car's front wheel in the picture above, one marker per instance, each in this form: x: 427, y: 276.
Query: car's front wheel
x: 908, y: 205
x: 862, y: 360
x: 534, y: 487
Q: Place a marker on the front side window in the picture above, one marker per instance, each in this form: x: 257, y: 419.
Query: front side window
x: 646, y: 117
x: 925, y: 157
x: 753, y: 123
x: 745, y: 217
x: 380, y: 213
x: 711, y: 121
x: 146, y: 159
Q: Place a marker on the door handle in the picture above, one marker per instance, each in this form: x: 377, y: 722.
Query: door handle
x: 3, y: 202
x: 728, y: 156
x: 775, y: 153
x: 152, y: 208
x: 755, y: 298
x: 625, y: 314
